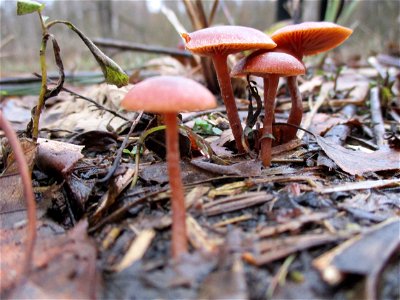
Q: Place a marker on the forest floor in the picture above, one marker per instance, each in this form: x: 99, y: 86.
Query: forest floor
x: 321, y: 222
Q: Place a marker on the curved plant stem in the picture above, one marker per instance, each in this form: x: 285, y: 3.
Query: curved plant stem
x: 270, y: 86
x: 179, y: 238
x: 43, y: 88
x: 28, y: 194
x: 224, y: 80
x: 296, y: 112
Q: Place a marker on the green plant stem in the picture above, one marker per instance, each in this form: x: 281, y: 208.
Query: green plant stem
x: 43, y: 87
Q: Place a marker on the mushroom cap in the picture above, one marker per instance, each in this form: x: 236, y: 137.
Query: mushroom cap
x: 310, y: 38
x: 168, y: 94
x: 226, y: 40
x: 262, y: 63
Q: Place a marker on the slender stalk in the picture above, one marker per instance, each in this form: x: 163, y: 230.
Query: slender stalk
x: 296, y: 112
x: 270, y: 86
x: 224, y: 80
x: 179, y: 237
x: 43, y: 88
x: 28, y: 194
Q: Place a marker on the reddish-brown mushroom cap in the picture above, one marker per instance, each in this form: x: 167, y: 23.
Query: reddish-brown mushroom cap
x: 164, y: 94
x: 227, y: 40
x: 218, y: 42
x: 264, y: 63
x: 310, y: 38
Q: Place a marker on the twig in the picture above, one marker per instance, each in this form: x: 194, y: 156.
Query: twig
x: 28, y: 194
x: 376, y: 116
x: 117, y: 159
x: 124, y: 45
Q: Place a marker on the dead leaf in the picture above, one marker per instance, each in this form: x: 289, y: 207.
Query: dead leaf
x: 158, y: 172
x: 58, y: 157
x: 63, y: 266
x: 358, y: 162
x: 323, y: 122
x: 12, y: 194
x: 243, y: 168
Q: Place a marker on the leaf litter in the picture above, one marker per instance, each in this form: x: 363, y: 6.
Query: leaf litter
x: 259, y: 233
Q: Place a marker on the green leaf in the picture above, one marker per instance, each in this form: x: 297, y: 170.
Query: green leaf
x: 28, y: 6
x: 205, y: 127
x: 113, y: 73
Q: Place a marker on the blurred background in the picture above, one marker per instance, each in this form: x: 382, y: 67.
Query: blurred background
x: 376, y: 27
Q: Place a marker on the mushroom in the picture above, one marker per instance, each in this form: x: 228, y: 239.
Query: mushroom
x: 218, y: 42
x: 169, y: 95
x: 306, y: 38
x: 270, y: 66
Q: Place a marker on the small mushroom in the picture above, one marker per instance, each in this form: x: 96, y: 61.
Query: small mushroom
x: 270, y: 66
x: 306, y: 38
x: 218, y: 42
x: 169, y: 95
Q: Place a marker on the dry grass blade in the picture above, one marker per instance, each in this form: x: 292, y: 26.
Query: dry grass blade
x: 136, y: 250
x: 274, y: 249
x: 362, y: 185
x: 295, y: 224
x: 199, y: 238
x: 229, y: 204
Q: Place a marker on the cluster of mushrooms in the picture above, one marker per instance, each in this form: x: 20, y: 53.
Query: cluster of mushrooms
x: 277, y: 56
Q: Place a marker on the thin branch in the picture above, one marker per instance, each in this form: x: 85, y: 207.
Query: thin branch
x: 117, y: 159
x: 124, y: 45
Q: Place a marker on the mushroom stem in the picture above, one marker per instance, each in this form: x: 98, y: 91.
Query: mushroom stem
x: 28, y: 194
x: 270, y: 86
x: 224, y: 80
x: 296, y: 112
x: 179, y: 238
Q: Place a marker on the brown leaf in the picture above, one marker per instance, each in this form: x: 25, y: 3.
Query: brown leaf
x: 159, y: 173
x: 12, y: 194
x: 58, y: 157
x: 64, y: 266
x: 358, y: 162
x: 244, y: 168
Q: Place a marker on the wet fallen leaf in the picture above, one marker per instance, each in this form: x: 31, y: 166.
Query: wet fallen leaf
x: 358, y: 162
x: 63, y: 266
x: 244, y: 168
x: 158, y: 172
x: 12, y: 195
x: 96, y: 141
x: 58, y: 157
